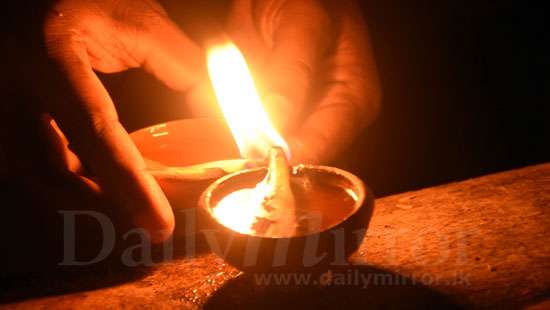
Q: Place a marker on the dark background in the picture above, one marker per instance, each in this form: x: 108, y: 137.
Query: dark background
x: 465, y: 90
x: 465, y: 83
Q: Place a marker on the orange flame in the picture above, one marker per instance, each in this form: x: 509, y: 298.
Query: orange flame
x: 251, y: 128
x: 240, y: 102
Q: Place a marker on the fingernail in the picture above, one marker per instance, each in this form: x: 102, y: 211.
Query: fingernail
x: 159, y: 227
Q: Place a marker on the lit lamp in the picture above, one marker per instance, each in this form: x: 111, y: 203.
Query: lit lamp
x: 277, y: 218
x: 264, y: 214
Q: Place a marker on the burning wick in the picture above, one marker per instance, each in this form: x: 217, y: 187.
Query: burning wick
x: 268, y: 208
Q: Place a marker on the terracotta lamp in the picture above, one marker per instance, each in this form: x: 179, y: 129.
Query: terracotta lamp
x: 264, y: 214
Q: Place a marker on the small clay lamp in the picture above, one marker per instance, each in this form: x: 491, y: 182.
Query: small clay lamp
x: 282, y: 219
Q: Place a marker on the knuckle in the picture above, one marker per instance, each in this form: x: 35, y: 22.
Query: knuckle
x: 296, y: 73
x: 63, y: 42
x: 302, y: 69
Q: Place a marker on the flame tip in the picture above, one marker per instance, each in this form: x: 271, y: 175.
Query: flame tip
x: 240, y: 102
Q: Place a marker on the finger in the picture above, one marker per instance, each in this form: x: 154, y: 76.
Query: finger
x: 328, y: 130
x: 172, y: 56
x: 61, y: 156
x: 89, y: 120
x: 299, y: 40
x: 350, y: 100
x: 180, y: 63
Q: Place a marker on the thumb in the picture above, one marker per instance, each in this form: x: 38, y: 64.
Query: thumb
x: 299, y: 40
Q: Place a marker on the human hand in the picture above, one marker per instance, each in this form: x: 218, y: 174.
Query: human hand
x: 313, y: 63
x: 111, y: 36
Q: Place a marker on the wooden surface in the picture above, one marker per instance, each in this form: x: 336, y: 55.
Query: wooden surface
x: 481, y: 242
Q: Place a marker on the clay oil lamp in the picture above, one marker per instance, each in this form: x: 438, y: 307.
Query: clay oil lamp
x: 259, y: 213
x: 276, y: 217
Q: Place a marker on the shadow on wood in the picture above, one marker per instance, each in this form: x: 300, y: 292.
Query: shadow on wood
x: 353, y: 286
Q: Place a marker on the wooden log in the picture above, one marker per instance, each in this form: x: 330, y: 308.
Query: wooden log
x: 477, y: 243
x: 482, y: 241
